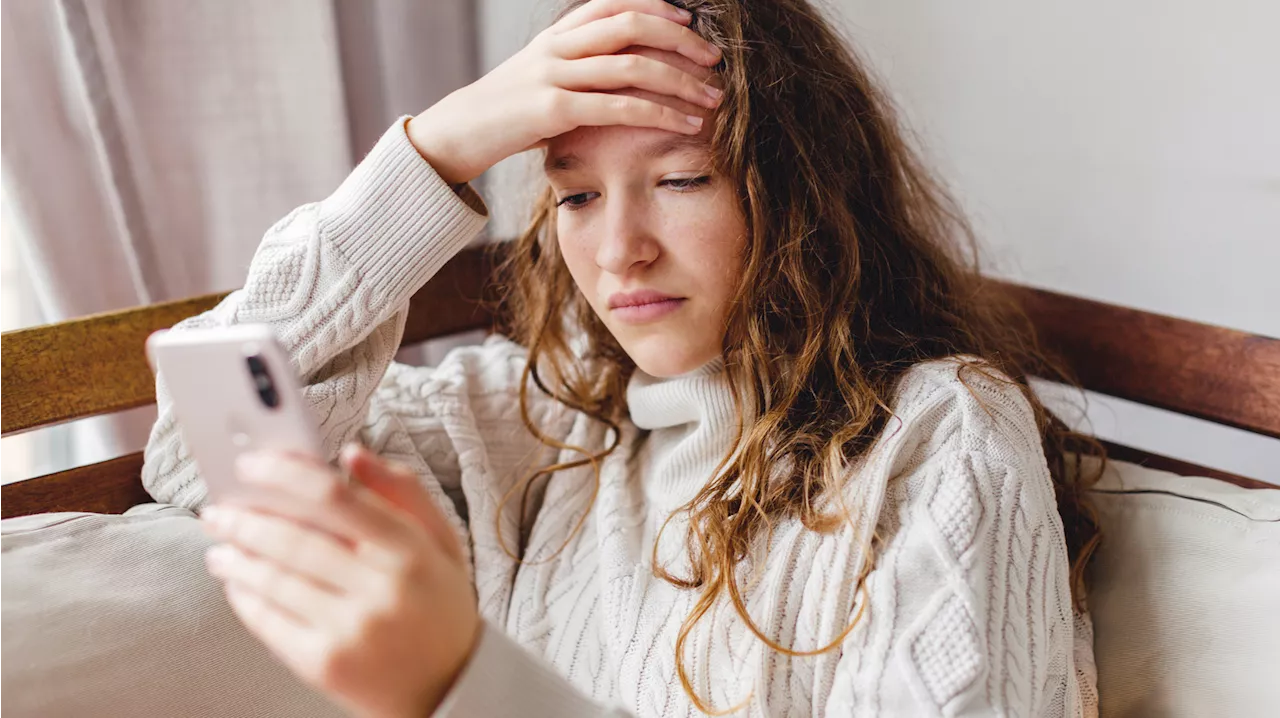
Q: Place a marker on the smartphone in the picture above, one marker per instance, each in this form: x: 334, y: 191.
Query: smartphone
x: 233, y: 392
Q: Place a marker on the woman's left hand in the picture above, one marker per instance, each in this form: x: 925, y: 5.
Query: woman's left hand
x: 375, y: 609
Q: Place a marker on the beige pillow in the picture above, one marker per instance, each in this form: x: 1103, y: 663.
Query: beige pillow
x: 115, y: 615
x: 1186, y: 596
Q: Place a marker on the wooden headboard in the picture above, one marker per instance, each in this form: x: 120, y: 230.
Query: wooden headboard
x: 1221, y: 375
x: 96, y: 365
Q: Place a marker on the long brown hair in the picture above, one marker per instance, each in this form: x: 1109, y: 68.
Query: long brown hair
x: 857, y: 266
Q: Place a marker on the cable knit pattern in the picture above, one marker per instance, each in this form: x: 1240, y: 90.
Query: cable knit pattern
x: 967, y: 610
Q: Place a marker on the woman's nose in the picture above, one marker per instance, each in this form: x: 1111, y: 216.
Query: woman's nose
x: 627, y: 242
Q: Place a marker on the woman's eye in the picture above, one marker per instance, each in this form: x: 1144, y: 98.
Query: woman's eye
x: 686, y: 184
x: 683, y: 184
x: 576, y: 201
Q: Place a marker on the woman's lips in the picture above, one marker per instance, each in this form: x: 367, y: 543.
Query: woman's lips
x: 643, y: 307
x: 642, y: 313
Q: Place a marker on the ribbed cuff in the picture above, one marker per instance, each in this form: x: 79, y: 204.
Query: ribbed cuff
x: 503, y: 679
x: 396, y: 220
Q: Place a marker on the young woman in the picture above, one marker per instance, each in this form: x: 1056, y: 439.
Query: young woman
x: 763, y: 442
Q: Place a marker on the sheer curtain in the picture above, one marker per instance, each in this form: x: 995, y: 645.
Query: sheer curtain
x: 149, y: 143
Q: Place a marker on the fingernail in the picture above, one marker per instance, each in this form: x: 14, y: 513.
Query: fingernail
x: 694, y: 120
x: 218, y: 556
x: 683, y: 14
x: 212, y: 516
x: 253, y: 465
x: 351, y: 451
x: 714, y: 93
x: 716, y: 51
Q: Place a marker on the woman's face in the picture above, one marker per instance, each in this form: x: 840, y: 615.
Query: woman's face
x: 652, y: 236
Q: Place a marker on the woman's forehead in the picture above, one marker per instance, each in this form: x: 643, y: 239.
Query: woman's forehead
x: 588, y: 146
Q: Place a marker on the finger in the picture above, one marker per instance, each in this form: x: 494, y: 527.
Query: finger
x: 303, y: 550
x: 301, y: 596
x: 597, y: 9
x: 597, y: 109
x: 284, y: 634
x: 615, y: 33
x: 613, y: 72
x: 400, y: 487
x: 674, y: 59
x: 314, y: 494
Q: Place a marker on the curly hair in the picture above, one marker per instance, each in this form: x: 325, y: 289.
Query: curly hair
x: 858, y: 265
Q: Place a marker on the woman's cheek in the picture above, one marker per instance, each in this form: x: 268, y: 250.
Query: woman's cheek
x: 579, y: 256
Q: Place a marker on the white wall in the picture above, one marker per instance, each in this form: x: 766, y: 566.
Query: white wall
x: 1127, y: 152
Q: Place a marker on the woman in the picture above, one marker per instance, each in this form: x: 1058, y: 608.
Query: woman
x: 763, y: 442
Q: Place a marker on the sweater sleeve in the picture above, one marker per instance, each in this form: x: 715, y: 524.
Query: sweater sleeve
x: 503, y: 680
x: 333, y: 280
x: 968, y: 607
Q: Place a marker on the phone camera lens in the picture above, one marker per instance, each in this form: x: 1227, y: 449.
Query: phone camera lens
x: 269, y: 397
x: 262, y: 381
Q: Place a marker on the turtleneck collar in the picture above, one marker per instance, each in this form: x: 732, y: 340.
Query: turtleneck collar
x: 663, y: 403
x: 693, y: 421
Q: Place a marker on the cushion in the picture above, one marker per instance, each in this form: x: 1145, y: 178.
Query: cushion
x: 1186, y: 596
x: 115, y: 615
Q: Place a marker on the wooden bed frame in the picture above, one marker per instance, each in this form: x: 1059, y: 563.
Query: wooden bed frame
x: 96, y: 365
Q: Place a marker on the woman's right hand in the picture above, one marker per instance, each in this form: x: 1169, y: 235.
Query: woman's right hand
x: 561, y: 81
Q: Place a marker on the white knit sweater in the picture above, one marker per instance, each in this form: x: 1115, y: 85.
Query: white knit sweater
x: 967, y: 611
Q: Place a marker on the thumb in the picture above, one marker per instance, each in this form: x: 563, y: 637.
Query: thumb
x: 400, y: 487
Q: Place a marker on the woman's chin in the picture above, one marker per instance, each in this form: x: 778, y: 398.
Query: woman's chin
x: 663, y: 359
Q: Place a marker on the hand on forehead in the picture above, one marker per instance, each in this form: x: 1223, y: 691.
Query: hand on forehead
x: 562, y: 143
x: 680, y: 62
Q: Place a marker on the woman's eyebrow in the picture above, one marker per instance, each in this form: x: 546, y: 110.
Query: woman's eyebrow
x: 655, y: 149
x: 670, y: 144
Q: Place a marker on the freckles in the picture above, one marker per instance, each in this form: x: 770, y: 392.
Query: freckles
x: 717, y: 237
x: 572, y: 242
x: 577, y: 251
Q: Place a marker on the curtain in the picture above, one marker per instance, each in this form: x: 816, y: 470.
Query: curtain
x: 149, y: 143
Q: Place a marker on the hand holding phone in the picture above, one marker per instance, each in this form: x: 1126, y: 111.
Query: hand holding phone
x: 322, y: 611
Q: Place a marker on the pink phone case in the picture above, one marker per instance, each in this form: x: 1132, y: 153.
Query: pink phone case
x: 219, y: 402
